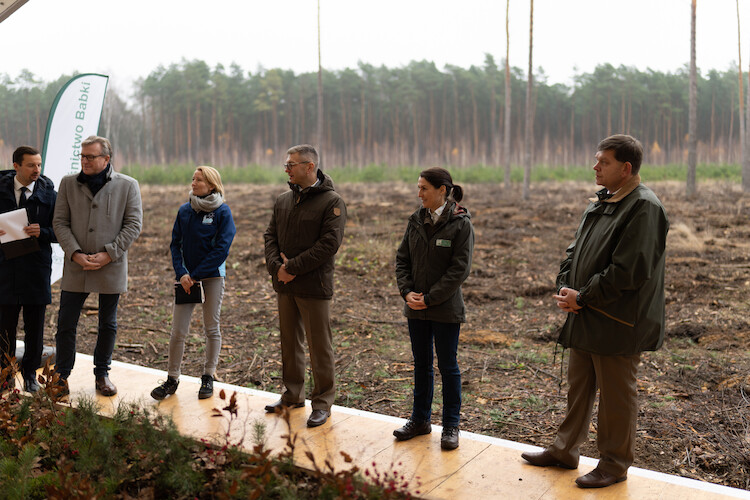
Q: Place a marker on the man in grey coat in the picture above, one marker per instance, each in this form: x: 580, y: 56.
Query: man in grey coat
x: 97, y: 217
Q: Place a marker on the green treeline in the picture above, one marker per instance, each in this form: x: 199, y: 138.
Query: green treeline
x: 413, y: 115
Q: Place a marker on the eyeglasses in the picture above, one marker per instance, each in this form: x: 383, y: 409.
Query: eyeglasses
x: 288, y: 166
x: 88, y: 157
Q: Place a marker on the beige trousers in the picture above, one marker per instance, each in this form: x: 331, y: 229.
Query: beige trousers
x: 301, y: 318
x: 616, y: 379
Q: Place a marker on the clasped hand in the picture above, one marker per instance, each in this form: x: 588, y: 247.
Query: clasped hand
x: 91, y: 262
x: 284, y: 275
x: 415, y: 301
x: 187, y: 283
x: 566, y: 300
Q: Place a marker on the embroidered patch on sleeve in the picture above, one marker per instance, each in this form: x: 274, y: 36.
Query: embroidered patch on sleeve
x: 336, y: 211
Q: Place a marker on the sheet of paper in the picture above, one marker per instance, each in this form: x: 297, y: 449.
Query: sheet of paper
x: 13, y: 223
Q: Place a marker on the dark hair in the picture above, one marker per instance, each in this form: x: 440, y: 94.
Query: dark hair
x: 437, y: 177
x: 22, y: 151
x: 306, y: 152
x: 626, y: 149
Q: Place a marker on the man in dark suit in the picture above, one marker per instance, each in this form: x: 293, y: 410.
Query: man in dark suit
x: 25, y: 279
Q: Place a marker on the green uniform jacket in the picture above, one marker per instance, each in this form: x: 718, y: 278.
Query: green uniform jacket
x: 436, y: 265
x: 616, y: 262
x: 308, y: 227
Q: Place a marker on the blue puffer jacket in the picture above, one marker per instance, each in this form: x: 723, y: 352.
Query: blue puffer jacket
x: 201, y: 241
x: 25, y: 279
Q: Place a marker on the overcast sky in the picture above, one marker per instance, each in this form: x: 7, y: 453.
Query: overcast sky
x: 129, y: 39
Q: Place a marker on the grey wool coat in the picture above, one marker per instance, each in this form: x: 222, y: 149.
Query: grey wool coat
x: 110, y: 221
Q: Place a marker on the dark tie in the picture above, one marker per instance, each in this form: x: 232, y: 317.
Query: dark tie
x: 22, y: 199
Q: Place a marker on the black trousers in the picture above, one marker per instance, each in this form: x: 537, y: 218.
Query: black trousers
x: 33, y: 326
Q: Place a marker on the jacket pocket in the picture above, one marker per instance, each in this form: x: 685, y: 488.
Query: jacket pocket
x: 612, y: 317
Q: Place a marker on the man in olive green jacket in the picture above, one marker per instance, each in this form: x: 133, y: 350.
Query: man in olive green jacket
x: 301, y: 241
x: 611, y: 284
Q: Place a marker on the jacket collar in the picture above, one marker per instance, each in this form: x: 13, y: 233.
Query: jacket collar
x: 42, y: 186
x: 451, y: 211
x: 325, y: 183
x: 621, y: 193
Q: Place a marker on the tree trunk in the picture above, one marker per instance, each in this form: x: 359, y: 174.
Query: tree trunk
x: 493, y: 142
x: 213, y: 132
x: 474, y: 124
x: 506, y: 127
x: 693, y: 111
x: 745, y: 175
x: 746, y: 150
x: 320, y: 93
x: 572, y: 146
x: 529, y: 114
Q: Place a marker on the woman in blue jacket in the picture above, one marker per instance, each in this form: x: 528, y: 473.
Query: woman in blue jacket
x: 201, y: 237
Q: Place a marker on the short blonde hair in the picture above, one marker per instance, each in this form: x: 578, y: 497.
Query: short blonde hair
x: 213, y: 178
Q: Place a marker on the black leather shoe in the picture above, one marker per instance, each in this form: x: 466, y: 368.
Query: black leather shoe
x: 411, y: 429
x: 449, y: 438
x: 105, y: 386
x: 545, y: 459
x: 597, y: 478
x: 318, y: 417
x: 30, y: 384
x: 280, y: 404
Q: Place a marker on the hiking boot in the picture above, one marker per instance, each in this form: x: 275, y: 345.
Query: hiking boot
x: 165, y: 389
x: 411, y: 429
x: 207, y: 387
x: 449, y: 439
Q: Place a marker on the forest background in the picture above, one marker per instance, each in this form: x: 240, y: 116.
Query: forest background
x: 418, y: 114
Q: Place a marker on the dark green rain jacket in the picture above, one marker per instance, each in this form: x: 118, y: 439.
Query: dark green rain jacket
x: 616, y: 262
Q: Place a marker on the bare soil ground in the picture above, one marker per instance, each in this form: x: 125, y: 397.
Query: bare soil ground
x: 695, y: 408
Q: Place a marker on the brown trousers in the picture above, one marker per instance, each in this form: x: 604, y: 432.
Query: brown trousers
x: 616, y: 379
x: 301, y: 318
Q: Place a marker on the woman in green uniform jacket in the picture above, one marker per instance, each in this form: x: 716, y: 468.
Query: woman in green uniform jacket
x: 432, y: 262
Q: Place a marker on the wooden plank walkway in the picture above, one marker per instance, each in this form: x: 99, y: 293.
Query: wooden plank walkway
x: 481, y: 468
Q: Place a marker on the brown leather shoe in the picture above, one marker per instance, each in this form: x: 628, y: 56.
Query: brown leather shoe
x: 318, y: 417
x: 597, y: 478
x: 105, y: 386
x: 545, y: 459
x: 278, y: 405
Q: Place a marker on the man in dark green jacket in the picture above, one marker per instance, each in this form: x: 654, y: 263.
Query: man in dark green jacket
x: 305, y: 232
x: 611, y: 285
